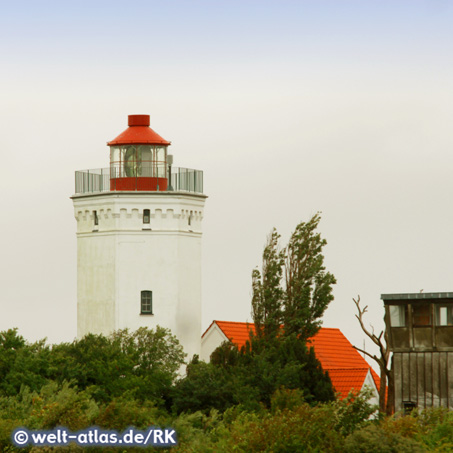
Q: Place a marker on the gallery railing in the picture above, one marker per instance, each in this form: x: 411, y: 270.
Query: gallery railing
x: 109, y: 180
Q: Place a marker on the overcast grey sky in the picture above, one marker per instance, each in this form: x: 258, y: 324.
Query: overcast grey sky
x: 289, y: 107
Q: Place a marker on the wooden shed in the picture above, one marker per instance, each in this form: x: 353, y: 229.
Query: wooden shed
x: 420, y: 328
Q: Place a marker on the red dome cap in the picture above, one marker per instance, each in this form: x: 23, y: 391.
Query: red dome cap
x: 138, y: 132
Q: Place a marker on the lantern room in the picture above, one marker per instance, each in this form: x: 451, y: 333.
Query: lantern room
x: 138, y: 158
x: 139, y: 162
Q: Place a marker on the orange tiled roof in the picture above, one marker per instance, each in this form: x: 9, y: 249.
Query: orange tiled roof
x: 348, y: 379
x: 237, y: 332
x: 346, y: 367
x: 377, y: 381
x: 334, y: 350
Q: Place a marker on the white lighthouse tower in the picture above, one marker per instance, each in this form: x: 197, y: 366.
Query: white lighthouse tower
x: 139, y: 240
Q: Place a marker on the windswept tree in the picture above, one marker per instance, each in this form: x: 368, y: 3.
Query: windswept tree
x: 308, y: 285
x: 267, y: 299
x: 293, y: 289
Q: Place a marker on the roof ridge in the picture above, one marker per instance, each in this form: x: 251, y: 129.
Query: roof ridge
x: 235, y: 322
x: 252, y: 323
x: 350, y: 368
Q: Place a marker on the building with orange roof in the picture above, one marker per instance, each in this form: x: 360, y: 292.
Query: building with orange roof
x: 348, y: 370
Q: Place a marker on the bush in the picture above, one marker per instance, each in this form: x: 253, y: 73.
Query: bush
x: 352, y: 412
x: 374, y: 439
x: 306, y: 429
x: 121, y: 413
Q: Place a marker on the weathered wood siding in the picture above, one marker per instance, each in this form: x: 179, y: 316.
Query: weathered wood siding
x: 424, y: 378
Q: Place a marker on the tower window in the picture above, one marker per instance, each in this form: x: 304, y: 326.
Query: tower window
x: 95, y: 216
x: 146, y: 216
x: 146, y: 303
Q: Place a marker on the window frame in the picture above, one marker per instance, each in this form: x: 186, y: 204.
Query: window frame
x: 146, y: 216
x: 447, y: 316
x: 422, y: 315
x: 146, y: 302
x: 398, y: 315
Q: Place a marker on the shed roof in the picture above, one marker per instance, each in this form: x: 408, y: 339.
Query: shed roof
x: 416, y: 296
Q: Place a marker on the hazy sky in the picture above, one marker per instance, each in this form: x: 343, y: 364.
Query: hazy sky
x: 289, y: 107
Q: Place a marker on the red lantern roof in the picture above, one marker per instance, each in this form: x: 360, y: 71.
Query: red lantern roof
x: 138, y: 132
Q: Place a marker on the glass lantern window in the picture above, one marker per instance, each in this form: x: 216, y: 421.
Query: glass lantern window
x: 138, y: 160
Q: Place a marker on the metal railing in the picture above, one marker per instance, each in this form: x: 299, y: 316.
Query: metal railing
x: 104, y: 180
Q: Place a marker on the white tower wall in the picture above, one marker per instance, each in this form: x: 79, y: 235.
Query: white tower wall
x: 122, y: 256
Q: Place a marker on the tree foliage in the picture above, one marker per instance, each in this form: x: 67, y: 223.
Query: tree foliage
x: 289, y: 419
x: 275, y: 357
x: 308, y: 285
x: 251, y: 376
x: 293, y: 289
x: 141, y: 364
x: 267, y: 299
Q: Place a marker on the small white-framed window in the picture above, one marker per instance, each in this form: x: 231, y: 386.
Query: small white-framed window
x: 444, y: 315
x: 146, y: 216
x: 95, y: 217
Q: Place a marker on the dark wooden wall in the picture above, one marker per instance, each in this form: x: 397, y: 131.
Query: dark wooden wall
x: 424, y: 378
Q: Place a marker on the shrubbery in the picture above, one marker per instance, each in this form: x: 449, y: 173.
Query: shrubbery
x: 238, y: 403
x: 251, y: 376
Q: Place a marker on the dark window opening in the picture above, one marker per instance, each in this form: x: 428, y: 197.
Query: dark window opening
x: 146, y: 216
x: 146, y: 303
x: 408, y: 406
x: 96, y: 220
x: 421, y: 315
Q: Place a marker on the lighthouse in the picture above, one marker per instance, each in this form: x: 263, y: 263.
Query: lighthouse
x: 139, y: 228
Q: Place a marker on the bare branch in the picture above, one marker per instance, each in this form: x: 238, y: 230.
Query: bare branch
x: 368, y: 354
x: 361, y: 311
x: 384, y: 351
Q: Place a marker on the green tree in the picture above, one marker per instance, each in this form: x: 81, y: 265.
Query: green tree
x: 283, y: 362
x: 308, y: 285
x: 267, y: 299
x: 156, y: 357
x: 22, y: 363
x: 205, y: 387
x: 251, y: 376
x: 139, y: 365
x: 300, y: 303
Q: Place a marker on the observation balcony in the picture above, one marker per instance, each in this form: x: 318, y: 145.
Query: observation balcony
x: 114, y: 179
